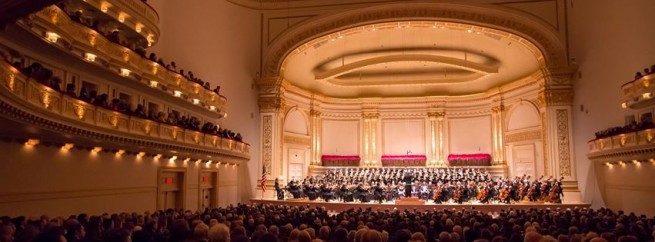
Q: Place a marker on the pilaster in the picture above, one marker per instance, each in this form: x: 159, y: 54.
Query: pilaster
x: 316, y: 134
x: 555, y: 99
x: 436, y: 139
x: 371, y: 121
x: 271, y: 107
x: 497, y: 131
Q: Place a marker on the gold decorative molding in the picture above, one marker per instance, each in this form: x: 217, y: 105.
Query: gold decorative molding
x: 553, y: 97
x: 527, y: 30
x: 370, y: 115
x: 523, y: 136
x: 298, y: 140
x: 563, y: 142
x: 545, y: 144
x: 81, y: 39
x: 271, y: 104
x: 267, y: 141
x: 438, y: 115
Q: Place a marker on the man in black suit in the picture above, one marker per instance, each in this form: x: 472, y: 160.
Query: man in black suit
x: 408, y: 178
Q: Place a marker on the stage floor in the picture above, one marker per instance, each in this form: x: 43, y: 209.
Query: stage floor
x: 341, y: 206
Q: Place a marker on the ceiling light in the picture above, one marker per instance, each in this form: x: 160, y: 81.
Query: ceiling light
x: 138, y: 27
x: 196, y: 101
x: 120, y: 153
x: 157, y: 156
x: 66, y: 147
x: 212, y: 108
x: 140, y: 154
x: 177, y: 93
x: 153, y: 83
x: 624, y: 105
x: 469, y: 30
x: 32, y: 142
x: 95, y: 150
x: 172, y: 159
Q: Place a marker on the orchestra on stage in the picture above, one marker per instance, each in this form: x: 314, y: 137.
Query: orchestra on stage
x: 439, y: 185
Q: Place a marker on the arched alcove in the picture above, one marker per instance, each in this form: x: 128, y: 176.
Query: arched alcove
x: 523, y: 116
x: 295, y: 123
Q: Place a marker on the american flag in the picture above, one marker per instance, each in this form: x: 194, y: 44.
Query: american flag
x: 263, y: 183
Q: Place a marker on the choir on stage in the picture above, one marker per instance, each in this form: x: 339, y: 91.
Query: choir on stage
x: 439, y: 185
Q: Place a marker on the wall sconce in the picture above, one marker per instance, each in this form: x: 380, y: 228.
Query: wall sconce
x: 154, y: 84
x: 96, y: 150
x: 196, y: 101
x: 172, y: 159
x: 120, y: 153
x: 66, y: 147
x: 121, y: 17
x: 125, y: 72
x: 177, y: 93
x: 32, y: 142
x: 624, y: 105
x: 212, y: 108
x: 52, y: 37
x: 157, y: 156
x: 187, y: 160
x: 209, y: 162
x: 140, y: 154
x: 104, y: 7
x: 647, y: 95
x: 151, y: 39
x: 138, y: 27
x: 90, y: 57
x: 225, y: 115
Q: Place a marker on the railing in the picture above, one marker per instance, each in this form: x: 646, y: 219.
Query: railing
x: 639, y: 93
x: 136, y: 14
x: 62, y: 105
x: 621, y: 143
x: 85, y: 40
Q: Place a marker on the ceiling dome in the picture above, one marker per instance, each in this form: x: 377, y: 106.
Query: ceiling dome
x: 408, y: 59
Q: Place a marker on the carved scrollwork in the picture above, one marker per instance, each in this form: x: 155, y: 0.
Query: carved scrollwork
x: 563, y: 142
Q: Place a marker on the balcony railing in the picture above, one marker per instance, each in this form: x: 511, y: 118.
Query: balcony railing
x: 135, y: 14
x: 639, y: 93
x: 82, y: 40
x: 621, y: 145
x: 40, y: 97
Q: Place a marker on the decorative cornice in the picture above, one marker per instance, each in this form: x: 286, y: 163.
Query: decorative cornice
x: 544, y: 39
x: 9, y: 111
x: 523, y: 136
x: 298, y: 140
x: 555, y: 97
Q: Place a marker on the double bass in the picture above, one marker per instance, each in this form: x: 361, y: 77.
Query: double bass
x: 503, y: 194
x: 553, y: 196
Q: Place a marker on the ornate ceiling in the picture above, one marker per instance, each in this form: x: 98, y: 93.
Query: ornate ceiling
x: 404, y: 59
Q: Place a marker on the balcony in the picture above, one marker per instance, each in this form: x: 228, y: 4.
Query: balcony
x: 41, y: 107
x: 133, y: 14
x: 55, y: 27
x: 639, y: 145
x: 639, y: 93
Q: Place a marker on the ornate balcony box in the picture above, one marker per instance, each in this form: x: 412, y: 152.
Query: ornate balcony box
x: 633, y: 145
x: 639, y: 93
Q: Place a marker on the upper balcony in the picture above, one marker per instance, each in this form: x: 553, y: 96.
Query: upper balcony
x: 135, y: 15
x: 55, y: 27
x: 31, y: 109
x: 639, y: 93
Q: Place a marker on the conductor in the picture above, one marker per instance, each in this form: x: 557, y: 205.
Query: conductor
x: 408, y: 178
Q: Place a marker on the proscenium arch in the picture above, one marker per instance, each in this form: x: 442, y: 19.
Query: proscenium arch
x: 529, y: 30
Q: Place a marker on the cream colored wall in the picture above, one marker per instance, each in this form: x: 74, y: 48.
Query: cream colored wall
x: 46, y: 180
x: 469, y: 135
x: 610, y: 41
x: 341, y: 137
x: 220, y: 43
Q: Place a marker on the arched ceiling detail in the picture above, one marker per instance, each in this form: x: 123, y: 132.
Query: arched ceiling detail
x: 493, y: 20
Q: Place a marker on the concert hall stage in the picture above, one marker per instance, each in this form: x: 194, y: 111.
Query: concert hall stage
x: 340, y: 206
